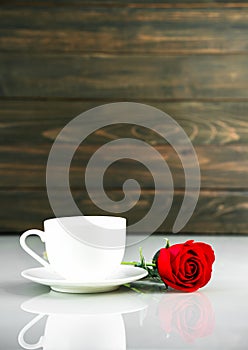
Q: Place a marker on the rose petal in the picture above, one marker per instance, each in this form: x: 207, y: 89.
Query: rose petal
x: 175, y: 250
x: 164, y: 265
x: 207, y: 251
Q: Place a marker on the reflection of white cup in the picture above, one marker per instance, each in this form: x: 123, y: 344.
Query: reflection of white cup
x: 68, y: 331
x: 92, y: 322
x: 81, y: 248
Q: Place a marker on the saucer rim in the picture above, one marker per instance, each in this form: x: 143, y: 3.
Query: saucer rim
x: 141, y: 273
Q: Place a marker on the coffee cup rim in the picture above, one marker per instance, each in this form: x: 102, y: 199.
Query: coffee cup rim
x: 116, y: 218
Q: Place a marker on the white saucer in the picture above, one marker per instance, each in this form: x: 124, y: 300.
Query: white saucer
x: 125, y: 274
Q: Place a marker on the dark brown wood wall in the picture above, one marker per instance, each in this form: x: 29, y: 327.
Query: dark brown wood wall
x: 190, y: 59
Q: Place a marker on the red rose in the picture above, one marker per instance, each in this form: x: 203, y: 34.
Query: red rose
x: 186, y: 266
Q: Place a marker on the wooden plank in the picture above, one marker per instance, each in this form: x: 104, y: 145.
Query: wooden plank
x: 216, y: 212
x: 133, y: 30
x: 206, y: 123
x: 218, y: 132
x: 221, y: 167
x: 124, y: 77
x: 134, y: 3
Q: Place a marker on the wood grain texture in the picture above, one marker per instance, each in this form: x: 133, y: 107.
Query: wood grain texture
x: 29, y: 128
x: 127, y: 30
x: 188, y: 58
x: 25, y: 166
x: 134, y: 3
x: 34, y: 122
x: 124, y: 77
x: 216, y: 212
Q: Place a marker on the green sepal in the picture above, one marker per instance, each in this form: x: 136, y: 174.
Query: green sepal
x: 167, y: 243
x: 155, y: 258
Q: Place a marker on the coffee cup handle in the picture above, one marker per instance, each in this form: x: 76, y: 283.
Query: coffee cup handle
x: 23, y: 244
x: 21, y: 335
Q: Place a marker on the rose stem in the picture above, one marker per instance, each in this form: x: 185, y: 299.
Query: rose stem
x: 136, y: 263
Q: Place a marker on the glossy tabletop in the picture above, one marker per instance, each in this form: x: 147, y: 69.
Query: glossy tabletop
x: 141, y: 315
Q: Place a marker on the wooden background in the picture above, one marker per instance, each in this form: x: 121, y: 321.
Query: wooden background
x: 190, y: 59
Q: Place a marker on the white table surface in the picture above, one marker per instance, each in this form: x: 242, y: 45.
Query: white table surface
x: 145, y: 317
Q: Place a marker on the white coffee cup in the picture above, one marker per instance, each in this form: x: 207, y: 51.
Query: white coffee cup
x: 81, y: 248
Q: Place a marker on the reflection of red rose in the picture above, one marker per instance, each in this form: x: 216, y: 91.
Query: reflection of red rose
x: 186, y: 266
x: 191, y: 315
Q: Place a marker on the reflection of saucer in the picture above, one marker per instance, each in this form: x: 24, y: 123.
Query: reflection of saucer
x: 124, y: 274
x: 104, y: 304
